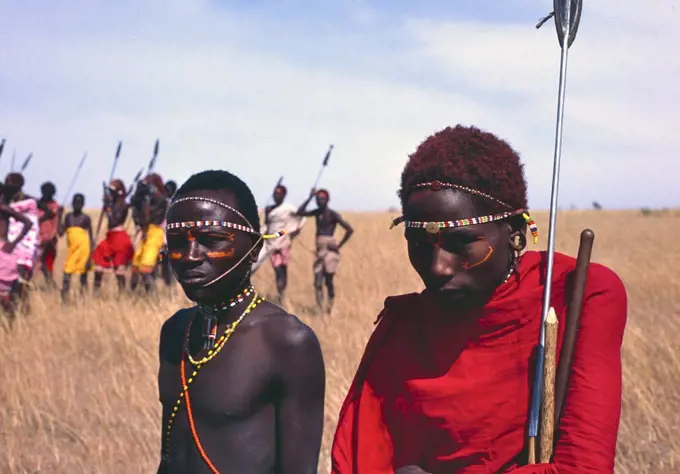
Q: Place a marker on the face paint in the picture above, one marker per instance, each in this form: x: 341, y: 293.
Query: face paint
x: 222, y: 254
x: 488, y: 255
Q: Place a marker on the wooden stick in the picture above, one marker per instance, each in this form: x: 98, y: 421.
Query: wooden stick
x: 532, y: 451
x: 573, y: 319
x: 548, y: 402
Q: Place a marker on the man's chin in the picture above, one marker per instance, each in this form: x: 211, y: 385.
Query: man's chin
x: 460, y: 299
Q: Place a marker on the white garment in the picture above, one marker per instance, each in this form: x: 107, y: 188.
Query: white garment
x: 281, y: 217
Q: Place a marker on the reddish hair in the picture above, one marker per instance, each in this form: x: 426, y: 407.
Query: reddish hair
x: 156, y: 180
x: 468, y: 156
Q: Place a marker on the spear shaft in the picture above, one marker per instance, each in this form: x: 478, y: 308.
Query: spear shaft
x: 566, y: 30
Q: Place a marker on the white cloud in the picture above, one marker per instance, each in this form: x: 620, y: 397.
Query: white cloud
x: 213, y: 84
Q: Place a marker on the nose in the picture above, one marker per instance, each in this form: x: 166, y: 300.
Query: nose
x: 443, y: 263
x: 193, y: 253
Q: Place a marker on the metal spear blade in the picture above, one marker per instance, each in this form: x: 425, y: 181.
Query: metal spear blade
x: 567, y: 19
x: 328, y: 156
x: 26, y: 162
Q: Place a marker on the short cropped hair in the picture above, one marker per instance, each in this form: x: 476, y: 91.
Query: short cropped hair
x: 48, y: 188
x: 220, y: 180
x: 470, y: 157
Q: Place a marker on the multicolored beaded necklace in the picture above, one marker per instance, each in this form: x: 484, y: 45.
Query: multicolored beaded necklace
x: 210, y: 315
x: 184, y: 394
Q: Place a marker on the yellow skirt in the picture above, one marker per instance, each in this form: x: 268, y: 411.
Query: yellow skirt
x: 78, y: 251
x: 148, y: 250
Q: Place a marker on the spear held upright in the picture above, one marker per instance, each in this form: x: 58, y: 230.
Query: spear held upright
x: 323, y: 166
x: 567, y: 14
x: 113, y: 170
x: 26, y: 162
x: 73, y: 180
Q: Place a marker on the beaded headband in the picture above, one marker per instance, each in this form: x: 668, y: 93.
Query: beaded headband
x: 213, y: 223
x: 435, y: 227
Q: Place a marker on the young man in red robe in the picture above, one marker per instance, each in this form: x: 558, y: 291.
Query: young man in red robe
x: 444, y: 383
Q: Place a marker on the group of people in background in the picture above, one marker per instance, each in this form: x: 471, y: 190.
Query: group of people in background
x: 30, y: 229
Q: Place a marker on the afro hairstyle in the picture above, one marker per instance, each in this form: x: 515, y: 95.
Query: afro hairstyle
x: 470, y: 157
x: 220, y: 180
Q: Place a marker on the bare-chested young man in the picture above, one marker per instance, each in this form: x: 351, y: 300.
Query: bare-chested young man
x: 327, y: 248
x: 77, y: 226
x: 256, y: 398
x: 9, y: 273
x: 115, y: 251
x: 150, y: 203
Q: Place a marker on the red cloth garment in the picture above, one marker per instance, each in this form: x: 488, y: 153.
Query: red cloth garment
x: 49, y: 227
x: 115, y: 251
x: 452, y: 395
x: 49, y: 254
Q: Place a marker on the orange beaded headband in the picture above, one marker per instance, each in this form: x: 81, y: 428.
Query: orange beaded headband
x: 435, y: 227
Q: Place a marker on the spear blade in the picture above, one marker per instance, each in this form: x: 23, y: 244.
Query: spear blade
x: 26, y: 162
x: 152, y: 163
x: 2, y: 147
x: 115, y: 161
x: 328, y: 156
x: 567, y: 19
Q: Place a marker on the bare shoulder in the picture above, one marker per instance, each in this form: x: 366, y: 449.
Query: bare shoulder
x: 286, y: 335
x: 173, y: 330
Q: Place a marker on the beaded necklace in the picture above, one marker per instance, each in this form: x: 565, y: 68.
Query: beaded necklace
x: 184, y: 394
x: 210, y: 316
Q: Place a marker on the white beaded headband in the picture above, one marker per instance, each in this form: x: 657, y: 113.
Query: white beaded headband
x: 215, y: 223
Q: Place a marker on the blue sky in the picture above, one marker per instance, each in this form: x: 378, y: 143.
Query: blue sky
x: 261, y: 88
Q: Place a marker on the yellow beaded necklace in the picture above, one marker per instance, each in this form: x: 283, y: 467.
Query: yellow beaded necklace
x: 257, y: 299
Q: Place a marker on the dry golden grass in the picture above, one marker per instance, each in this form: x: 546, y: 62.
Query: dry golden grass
x: 78, y: 385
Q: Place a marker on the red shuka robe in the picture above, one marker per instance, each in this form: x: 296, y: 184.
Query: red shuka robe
x: 453, y: 397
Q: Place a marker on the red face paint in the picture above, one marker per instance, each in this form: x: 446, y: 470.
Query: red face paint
x: 221, y: 254
x: 488, y: 255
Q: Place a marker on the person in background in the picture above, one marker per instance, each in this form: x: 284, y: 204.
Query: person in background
x: 26, y: 248
x: 79, y: 243
x: 277, y: 217
x: 9, y: 273
x: 115, y: 251
x: 150, y: 203
x: 48, y: 235
x: 163, y: 267
x: 327, y: 248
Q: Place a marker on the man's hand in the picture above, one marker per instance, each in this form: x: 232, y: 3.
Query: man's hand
x: 410, y: 470
x: 333, y: 247
x: 312, y: 193
x: 8, y: 247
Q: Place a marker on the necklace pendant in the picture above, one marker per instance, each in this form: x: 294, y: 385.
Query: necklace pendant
x: 209, y: 331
